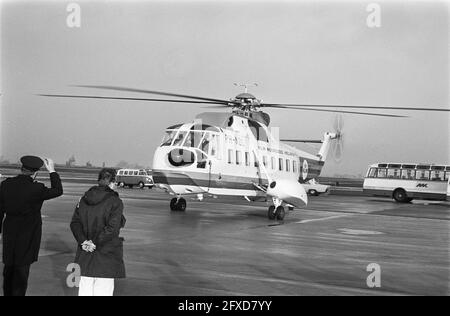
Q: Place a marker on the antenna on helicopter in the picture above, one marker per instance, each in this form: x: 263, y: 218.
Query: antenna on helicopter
x: 246, y: 85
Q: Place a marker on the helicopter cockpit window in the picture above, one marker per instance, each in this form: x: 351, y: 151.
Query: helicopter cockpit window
x: 168, y: 138
x: 179, y: 138
x: 213, y: 145
x: 206, y: 142
x: 193, y: 139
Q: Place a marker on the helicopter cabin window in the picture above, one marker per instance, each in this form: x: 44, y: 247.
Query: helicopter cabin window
x: 168, y: 138
x: 247, y: 158
x: 294, y: 166
x: 179, y: 139
x: 238, y: 157
x: 288, y: 165
x: 230, y: 156
x: 280, y: 164
x: 408, y: 174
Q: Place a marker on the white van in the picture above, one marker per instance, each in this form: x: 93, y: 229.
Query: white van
x: 134, y: 177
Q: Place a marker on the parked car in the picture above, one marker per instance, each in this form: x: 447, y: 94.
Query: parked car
x: 134, y: 177
x: 312, y: 187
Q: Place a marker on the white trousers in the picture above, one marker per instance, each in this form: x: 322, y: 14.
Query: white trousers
x: 96, y: 287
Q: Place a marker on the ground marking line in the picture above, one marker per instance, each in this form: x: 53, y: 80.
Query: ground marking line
x: 323, y: 218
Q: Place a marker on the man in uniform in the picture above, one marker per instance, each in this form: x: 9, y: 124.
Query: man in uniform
x: 21, y: 200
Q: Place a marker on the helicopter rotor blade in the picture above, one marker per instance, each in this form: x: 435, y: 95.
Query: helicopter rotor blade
x: 169, y: 94
x: 125, y: 98
x: 357, y: 107
x: 336, y: 111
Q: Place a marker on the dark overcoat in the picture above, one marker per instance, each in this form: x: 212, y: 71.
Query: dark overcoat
x: 21, y: 200
x: 99, y: 217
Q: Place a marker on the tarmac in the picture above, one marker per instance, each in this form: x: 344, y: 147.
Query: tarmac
x: 230, y: 247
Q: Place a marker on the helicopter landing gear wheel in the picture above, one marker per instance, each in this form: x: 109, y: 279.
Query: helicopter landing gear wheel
x: 271, y: 213
x: 280, y: 213
x: 178, y: 204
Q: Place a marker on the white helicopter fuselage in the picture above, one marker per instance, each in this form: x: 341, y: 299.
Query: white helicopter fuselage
x: 237, y: 157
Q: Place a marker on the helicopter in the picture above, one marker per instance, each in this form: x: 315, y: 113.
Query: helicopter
x: 236, y: 153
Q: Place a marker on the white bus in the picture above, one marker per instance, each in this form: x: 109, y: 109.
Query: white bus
x: 448, y: 189
x: 405, y: 182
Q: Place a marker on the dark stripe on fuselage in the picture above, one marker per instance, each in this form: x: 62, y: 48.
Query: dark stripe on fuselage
x: 203, y: 180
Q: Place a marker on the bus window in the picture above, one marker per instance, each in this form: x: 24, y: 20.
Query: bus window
x: 373, y: 173
x: 393, y: 173
x: 447, y: 175
x: 136, y: 173
x: 230, y: 156
x: 382, y: 173
x: 265, y: 161
x: 272, y: 162
x: 288, y: 165
x: 438, y: 175
x: 142, y: 173
x: 408, y: 174
x: 255, y: 159
x: 247, y: 158
x: 422, y: 175
x: 125, y: 173
x: 294, y: 166
x: 280, y: 164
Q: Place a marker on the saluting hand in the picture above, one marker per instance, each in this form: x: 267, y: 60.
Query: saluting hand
x: 49, y: 165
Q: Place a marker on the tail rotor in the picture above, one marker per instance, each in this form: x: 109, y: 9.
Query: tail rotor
x: 337, y: 146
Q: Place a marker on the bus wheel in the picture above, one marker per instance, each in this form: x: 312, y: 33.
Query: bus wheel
x: 141, y: 185
x: 313, y: 192
x: 400, y: 196
x: 121, y: 184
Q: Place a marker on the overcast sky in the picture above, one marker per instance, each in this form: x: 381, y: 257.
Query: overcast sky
x: 302, y: 52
